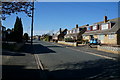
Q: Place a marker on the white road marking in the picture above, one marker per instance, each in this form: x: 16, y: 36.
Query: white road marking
x: 38, y: 61
x: 89, y: 52
x: 39, y: 64
x: 93, y: 54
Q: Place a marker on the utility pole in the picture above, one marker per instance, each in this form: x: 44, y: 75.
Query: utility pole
x: 32, y: 24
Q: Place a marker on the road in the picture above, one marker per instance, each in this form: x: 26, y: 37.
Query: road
x: 52, y: 61
x: 66, y: 62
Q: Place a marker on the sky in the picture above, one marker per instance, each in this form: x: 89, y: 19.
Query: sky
x: 50, y: 16
x: 63, y: 0
x: 78, y: 0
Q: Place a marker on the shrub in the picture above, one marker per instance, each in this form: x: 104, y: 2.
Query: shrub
x: 26, y: 37
x: 69, y: 40
x: 84, y: 41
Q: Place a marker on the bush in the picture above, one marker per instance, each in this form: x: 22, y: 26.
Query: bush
x: 85, y: 41
x: 26, y: 37
x: 69, y: 40
x: 47, y: 38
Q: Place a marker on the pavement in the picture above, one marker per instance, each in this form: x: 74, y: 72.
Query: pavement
x: 19, y: 65
x: 52, y: 61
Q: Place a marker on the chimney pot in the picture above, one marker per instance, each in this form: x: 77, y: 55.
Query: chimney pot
x: 60, y: 30
x: 105, y: 19
x: 87, y: 24
x: 76, y: 25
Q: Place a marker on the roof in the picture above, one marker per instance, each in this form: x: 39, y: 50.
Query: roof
x: 82, y: 26
x: 3, y: 27
x: 58, y: 33
x: 78, y: 27
x: 72, y: 34
x: 114, y: 29
x: 115, y: 19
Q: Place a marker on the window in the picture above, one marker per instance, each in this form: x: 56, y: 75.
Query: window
x: 104, y: 26
x: 78, y: 30
x: 67, y: 32
x: 111, y: 36
x: 112, y: 24
x: 101, y: 37
x: 95, y: 27
x: 88, y: 28
x: 73, y: 30
x: 70, y: 31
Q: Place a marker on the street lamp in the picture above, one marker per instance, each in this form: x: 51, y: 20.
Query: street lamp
x: 32, y: 24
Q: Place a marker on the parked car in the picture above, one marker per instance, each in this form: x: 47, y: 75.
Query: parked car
x: 94, y: 41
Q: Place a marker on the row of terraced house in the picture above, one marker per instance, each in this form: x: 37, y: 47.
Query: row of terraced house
x: 107, y: 31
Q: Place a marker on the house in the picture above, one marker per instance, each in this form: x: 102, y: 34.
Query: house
x: 107, y: 31
x: 76, y: 33
x: 59, y: 36
x: 37, y: 37
x: 4, y: 33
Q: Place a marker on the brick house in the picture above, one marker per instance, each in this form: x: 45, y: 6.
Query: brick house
x: 108, y: 31
x: 59, y: 36
x: 76, y: 33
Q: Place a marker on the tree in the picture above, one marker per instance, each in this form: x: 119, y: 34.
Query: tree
x: 8, y: 34
x: 18, y: 30
x: 26, y: 37
x: 14, y: 7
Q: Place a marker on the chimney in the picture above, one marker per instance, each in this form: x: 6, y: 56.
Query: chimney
x: 60, y: 30
x: 76, y: 25
x: 87, y: 24
x: 105, y: 19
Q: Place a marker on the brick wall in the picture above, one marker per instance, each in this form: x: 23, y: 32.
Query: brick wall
x: 86, y: 37
x: 107, y: 39
x: 95, y: 36
x: 109, y: 49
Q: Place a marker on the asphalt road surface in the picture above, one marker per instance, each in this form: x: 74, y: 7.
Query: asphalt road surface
x: 52, y: 61
x: 62, y: 62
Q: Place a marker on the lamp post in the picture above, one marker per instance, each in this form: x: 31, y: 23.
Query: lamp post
x: 32, y: 24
